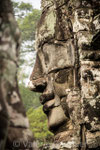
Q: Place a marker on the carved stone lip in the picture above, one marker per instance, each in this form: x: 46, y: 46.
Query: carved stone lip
x: 47, y: 100
x: 45, y: 97
x: 48, y: 106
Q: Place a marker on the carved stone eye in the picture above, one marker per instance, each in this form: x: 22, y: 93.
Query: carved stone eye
x: 62, y: 76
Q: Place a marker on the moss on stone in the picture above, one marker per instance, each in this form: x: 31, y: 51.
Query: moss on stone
x: 51, y: 21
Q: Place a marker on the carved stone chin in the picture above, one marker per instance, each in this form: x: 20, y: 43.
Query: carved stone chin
x: 56, y: 118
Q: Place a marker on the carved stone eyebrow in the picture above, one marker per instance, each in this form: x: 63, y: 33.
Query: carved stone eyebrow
x: 59, y: 69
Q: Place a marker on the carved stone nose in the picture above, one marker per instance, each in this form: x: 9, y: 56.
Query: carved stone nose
x: 37, y: 85
x: 48, y: 94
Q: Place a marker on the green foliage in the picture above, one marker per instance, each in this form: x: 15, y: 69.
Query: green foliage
x: 27, y: 18
x: 21, y: 8
x: 38, y: 125
x: 28, y: 25
x: 30, y: 99
x: 25, y: 6
x: 15, y: 5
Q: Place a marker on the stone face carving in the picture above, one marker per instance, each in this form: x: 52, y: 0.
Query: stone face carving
x: 67, y: 71
x: 14, y: 125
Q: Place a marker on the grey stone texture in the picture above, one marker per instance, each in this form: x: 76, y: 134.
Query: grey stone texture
x: 14, y: 125
x: 67, y: 71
